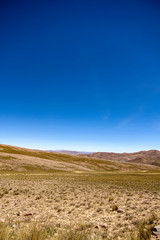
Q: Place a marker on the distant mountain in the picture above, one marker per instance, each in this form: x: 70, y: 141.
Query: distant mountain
x: 70, y: 152
x: 151, y: 157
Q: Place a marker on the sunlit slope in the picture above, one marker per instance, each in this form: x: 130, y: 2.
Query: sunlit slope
x: 151, y: 157
x: 22, y: 159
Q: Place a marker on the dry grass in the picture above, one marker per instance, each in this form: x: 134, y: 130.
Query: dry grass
x: 41, y: 232
x: 95, y: 206
x: 76, y: 205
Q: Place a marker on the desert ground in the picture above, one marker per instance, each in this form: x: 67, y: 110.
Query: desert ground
x: 50, y: 196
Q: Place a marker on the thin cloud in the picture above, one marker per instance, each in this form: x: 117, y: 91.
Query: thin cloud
x: 126, y: 121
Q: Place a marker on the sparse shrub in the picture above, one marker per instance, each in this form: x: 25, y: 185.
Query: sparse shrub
x: 16, y: 192
x: 152, y: 218
x: 5, y: 190
x: 35, y: 233
x: 1, y: 194
x: 75, y: 234
x: 110, y: 199
x: 144, y: 232
x: 144, y: 229
x: 59, y: 210
x: 99, y: 209
x: 38, y: 197
x: 114, y: 207
x: 5, y: 232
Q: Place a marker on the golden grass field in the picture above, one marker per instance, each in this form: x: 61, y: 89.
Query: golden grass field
x: 56, y: 196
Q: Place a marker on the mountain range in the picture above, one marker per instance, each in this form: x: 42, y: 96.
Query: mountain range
x: 151, y: 157
x: 70, y: 152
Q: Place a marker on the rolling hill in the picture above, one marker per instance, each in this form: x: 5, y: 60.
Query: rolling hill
x: 151, y: 157
x: 22, y: 159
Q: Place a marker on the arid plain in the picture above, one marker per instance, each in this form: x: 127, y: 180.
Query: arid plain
x: 48, y: 195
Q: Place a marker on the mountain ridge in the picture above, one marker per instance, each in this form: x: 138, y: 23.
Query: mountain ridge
x: 71, y: 152
x: 151, y: 157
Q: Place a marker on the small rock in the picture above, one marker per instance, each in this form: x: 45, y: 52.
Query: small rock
x: 156, y: 230
x: 120, y: 211
x: 18, y: 214
x: 103, y: 226
x: 97, y: 227
x: 28, y: 214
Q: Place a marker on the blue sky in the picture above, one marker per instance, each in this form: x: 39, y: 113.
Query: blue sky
x: 80, y: 75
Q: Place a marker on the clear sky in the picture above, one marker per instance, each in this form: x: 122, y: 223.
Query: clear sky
x: 80, y: 74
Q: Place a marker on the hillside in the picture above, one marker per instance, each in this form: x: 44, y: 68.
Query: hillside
x: 22, y: 159
x: 151, y: 157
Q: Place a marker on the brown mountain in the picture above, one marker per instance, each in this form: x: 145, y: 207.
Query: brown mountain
x: 22, y: 159
x: 151, y: 157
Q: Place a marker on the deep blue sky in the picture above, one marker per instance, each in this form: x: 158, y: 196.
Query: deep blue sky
x: 81, y: 74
